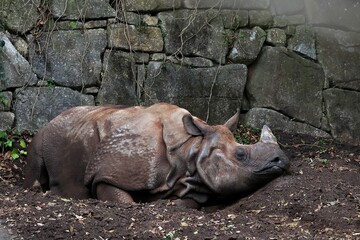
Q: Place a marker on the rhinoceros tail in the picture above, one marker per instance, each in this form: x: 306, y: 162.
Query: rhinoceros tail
x: 35, y: 170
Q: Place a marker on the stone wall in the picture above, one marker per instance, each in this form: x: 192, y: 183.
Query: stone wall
x: 292, y: 64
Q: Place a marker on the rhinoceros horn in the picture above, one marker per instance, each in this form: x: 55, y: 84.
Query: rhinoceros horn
x: 267, y: 136
x: 233, y: 121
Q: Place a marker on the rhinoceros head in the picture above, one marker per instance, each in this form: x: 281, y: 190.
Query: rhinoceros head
x: 229, y: 168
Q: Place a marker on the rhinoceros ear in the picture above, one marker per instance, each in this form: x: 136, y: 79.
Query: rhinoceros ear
x: 232, y: 123
x: 267, y: 136
x: 194, y: 126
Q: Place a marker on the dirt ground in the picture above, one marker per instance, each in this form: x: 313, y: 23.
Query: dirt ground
x: 318, y: 199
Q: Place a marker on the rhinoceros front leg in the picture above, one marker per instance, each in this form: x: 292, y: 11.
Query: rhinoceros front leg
x: 187, y: 203
x: 108, y: 192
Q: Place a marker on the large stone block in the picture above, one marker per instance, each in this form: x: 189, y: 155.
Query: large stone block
x: 247, y: 45
x: 119, y: 83
x: 194, y: 33
x: 138, y: 38
x: 283, y: 81
x: 288, y: 7
x: 261, y: 18
x: 257, y: 117
x: 343, y: 111
x: 6, y: 120
x: 283, y: 20
x: 234, y: 19
x: 35, y: 107
x: 192, y: 61
x: 342, y: 14
x: 276, y: 37
x: 15, y: 71
x: 303, y: 42
x: 130, y: 18
x: 19, y: 15
x: 81, y: 9
x: 53, y: 25
x: 69, y: 58
x: 339, y: 54
x: 151, y: 5
x: 133, y: 18
x: 226, y: 4
x: 209, y: 93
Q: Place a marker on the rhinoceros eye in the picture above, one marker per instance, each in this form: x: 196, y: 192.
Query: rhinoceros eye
x: 240, y: 154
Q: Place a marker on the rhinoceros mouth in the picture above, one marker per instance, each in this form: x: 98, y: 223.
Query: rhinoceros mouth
x: 275, y: 166
x: 270, y: 171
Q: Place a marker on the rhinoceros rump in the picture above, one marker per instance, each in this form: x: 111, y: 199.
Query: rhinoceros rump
x: 128, y: 154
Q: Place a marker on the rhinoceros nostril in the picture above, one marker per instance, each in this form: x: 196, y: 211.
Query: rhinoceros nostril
x: 276, y: 160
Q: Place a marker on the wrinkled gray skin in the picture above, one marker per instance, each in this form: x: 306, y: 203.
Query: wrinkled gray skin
x: 147, y: 153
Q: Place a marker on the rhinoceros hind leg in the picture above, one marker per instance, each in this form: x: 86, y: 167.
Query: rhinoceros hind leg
x: 108, y: 192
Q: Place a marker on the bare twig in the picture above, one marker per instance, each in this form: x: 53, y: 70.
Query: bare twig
x: 211, y: 92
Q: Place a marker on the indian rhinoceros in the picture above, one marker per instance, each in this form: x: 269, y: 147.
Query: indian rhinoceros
x: 128, y: 154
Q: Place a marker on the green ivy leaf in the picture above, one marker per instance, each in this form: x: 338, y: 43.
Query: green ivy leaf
x: 51, y: 84
x: 23, y: 152
x: 22, y: 143
x: 5, y: 102
x: 73, y: 24
x: 8, y: 143
x: 3, y: 135
x: 15, y: 154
